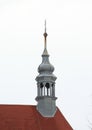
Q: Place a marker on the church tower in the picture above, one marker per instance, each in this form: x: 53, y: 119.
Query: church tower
x: 46, y: 84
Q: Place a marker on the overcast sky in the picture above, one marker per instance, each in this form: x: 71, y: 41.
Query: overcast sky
x: 69, y: 27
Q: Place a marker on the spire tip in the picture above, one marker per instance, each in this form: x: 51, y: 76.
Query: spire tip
x: 45, y: 36
x: 45, y: 25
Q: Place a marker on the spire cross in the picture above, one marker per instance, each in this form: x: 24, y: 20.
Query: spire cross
x: 45, y: 36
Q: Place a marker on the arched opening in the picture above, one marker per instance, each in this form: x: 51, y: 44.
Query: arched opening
x: 48, y: 89
x: 41, y: 89
x: 52, y: 85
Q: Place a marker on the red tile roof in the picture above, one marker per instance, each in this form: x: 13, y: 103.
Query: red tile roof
x: 23, y: 117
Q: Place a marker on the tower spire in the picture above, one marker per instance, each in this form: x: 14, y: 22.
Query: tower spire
x: 45, y: 52
x: 45, y: 37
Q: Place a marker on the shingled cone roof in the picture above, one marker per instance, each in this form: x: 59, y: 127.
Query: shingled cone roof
x: 26, y: 117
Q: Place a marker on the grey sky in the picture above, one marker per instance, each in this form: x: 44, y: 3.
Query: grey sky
x: 69, y: 27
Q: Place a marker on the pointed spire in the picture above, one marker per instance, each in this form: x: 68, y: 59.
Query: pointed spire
x: 45, y: 41
x: 45, y: 37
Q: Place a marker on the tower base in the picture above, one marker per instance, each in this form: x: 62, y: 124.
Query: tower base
x: 46, y: 106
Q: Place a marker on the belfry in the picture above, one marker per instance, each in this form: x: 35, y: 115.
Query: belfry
x: 46, y: 84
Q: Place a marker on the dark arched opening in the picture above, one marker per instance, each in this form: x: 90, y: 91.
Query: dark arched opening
x: 41, y: 88
x: 48, y: 88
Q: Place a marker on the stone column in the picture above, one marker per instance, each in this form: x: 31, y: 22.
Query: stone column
x: 53, y: 90
x: 38, y: 86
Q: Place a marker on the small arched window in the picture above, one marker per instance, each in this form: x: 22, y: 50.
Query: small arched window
x: 41, y: 89
x: 52, y: 85
x: 41, y: 85
x: 48, y: 88
x: 47, y: 85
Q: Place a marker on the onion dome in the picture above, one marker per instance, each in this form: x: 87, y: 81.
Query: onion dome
x: 45, y: 66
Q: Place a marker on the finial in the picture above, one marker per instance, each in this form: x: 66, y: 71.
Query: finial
x: 45, y: 36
